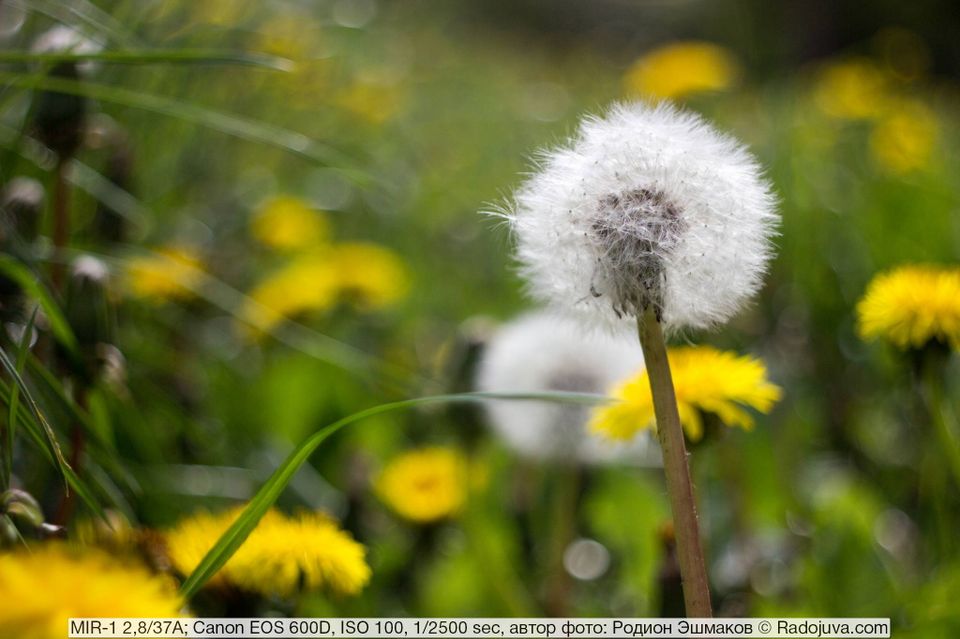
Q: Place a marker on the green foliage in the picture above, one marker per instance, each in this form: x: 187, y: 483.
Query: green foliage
x: 396, y: 133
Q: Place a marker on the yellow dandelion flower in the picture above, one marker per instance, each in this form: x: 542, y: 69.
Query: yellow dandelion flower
x: 681, y: 69
x: 287, y: 223
x: 912, y: 305
x: 707, y: 380
x: 425, y: 485
x: 308, y: 283
x: 42, y: 589
x: 288, y: 35
x: 373, y: 102
x: 904, y: 139
x: 368, y: 275
x: 280, y: 557
x: 169, y: 273
x: 113, y: 532
x: 854, y: 89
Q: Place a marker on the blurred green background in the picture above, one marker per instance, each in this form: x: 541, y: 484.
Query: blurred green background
x: 388, y: 126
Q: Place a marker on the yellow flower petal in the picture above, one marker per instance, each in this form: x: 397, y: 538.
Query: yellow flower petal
x: 169, y: 273
x: 280, y: 557
x: 706, y: 380
x: 854, y: 89
x: 681, y: 69
x: 42, y: 589
x: 425, y: 485
x: 904, y: 139
x: 288, y: 223
x: 912, y: 305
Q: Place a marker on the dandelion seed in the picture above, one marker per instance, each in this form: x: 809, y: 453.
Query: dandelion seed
x: 911, y: 306
x: 545, y: 352
x: 706, y: 381
x: 425, y: 485
x: 281, y: 557
x: 42, y: 589
x: 648, y: 206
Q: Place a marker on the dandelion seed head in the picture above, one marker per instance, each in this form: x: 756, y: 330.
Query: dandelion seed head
x: 542, y: 351
x: 646, y: 206
x: 65, y: 39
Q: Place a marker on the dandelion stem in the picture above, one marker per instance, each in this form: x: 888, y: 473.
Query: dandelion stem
x: 61, y: 222
x: 693, y: 572
x: 938, y: 410
x: 564, y: 531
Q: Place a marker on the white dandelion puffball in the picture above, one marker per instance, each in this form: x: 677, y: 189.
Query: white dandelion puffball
x: 647, y: 206
x: 544, y: 352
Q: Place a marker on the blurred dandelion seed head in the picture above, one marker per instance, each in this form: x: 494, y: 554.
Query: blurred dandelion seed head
x: 912, y: 305
x: 681, y: 69
x: 281, y: 557
x: 545, y: 352
x: 647, y: 205
x: 65, y: 39
x: 425, y: 485
x: 706, y: 380
x: 41, y: 589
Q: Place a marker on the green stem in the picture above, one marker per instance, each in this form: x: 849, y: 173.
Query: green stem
x: 567, y: 493
x: 942, y: 418
x: 61, y: 223
x: 693, y: 572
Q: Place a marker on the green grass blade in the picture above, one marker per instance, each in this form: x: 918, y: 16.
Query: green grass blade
x: 81, y: 175
x: 41, y: 420
x: 261, y: 502
x: 242, y: 128
x: 176, y: 56
x: 14, y: 402
x: 80, y: 14
x: 32, y: 286
x: 121, y: 201
x: 37, y: 434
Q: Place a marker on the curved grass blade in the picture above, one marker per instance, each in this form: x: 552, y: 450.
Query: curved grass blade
x: 261, y: 502
x: 80, y: 11
x: 121, y: 201
x: 33, y: 287
x: 245, y: 129
x: 14, y: 401
x: 40, y: 438
x: 175, y: 56
x: 81, y: 175
x: 54, y: 445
